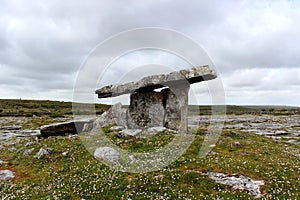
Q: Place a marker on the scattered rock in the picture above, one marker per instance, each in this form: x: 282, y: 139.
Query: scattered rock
x: 116, y: 128
x: 235, y: 144
x: 130, y: 132
x: 12, y: 149
x: 30, y: 144
x: 11, y: 128
x: 6, y: 174
x: 157, y: 129
x: 292, y: 141
x: 160, y: 176
x: 64, y: 154
x: 107, y: 153
x: 1, y: 162
x: 152, y: 131
x: 64, y: 128
x: 221, y: 141
x: 42, y: 152
x: 238, y: 182
x: 28, y: 152
x: 73, y: 137
x: 6, y: 136
x: 212, y: 153
x: 241, y: 153
x: 26, y: 133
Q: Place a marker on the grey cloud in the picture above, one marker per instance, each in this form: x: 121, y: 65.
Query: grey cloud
x: 42, y: 44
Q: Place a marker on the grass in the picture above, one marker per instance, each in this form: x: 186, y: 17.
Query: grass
x: 53, y: 109
x: 78, y: 175
x: 240, y: 110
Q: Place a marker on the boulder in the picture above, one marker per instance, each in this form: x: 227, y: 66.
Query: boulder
x: 107, y: 153
x: 64, y: 128
x: 115, y: 115
x: 30, y: 144
x: 156, y: 129
x: 42, y: 152
x: 6, y: 174
x: 238, y: 182
x: 28, y: 152
x: 130, y: 132
x: 73, y: 137
x: 116, y: 128
x: 151, y: 131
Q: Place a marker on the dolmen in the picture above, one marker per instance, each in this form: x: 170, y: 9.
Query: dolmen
x: 158, y: 100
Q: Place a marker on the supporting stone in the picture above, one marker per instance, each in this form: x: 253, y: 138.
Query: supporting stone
x: 146, y: 110
x: 167, y: 108
x: 177, y: 107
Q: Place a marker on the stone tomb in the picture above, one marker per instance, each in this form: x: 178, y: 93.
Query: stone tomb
x: 167, y: 107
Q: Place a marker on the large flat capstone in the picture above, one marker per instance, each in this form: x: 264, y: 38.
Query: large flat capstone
x: 149, y: 83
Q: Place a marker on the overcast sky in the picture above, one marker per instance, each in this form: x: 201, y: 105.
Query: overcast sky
x: 255, y: 45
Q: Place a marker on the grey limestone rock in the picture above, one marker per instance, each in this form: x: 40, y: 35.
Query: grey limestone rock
x: 64, y: 128
x: 149, y: 83
x: 42, y: 152
x: 238, y: 182
x: 6, y: 174
x: 28, y: 152
x: 130, y: 132
x: 146, y: 109
x: 116, y: 128
x: 30, y: 144
x: 73, y: 137
x: 11, y: 128
x: 107, y: 153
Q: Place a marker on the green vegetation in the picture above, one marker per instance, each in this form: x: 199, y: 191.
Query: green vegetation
x: 78, y: 175
x: 240, y: 110
x: 40, y: 108
x: 53, y: 109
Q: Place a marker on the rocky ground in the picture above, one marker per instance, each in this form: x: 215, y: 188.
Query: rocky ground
x: 284, y: 128
x: 257, y: 156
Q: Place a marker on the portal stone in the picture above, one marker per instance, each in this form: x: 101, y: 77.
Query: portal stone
x: 146, y: 110
x: 176, y: 106
x: 173, y: 116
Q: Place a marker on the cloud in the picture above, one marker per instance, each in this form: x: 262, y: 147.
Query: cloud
x: 254, y: 44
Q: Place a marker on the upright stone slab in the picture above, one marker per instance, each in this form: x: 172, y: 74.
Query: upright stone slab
x: 146, y: 110
x: 176, y: 105
x: 172, y: 107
